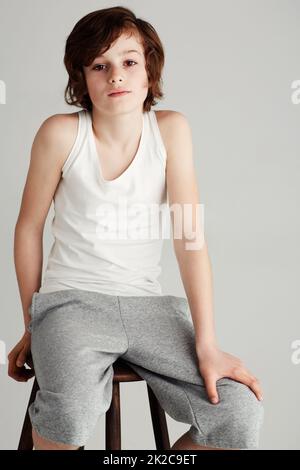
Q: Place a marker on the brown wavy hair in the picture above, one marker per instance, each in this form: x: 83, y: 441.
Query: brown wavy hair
x: 93, y: 34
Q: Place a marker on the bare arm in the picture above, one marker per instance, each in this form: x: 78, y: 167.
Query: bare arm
x: 194, y: 264
x: 49, y: 150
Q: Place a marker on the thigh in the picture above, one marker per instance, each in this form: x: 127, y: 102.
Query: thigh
x: 161, y: 336
x: 72, y: 330
x: 76, y: 337
x: 162, y: 351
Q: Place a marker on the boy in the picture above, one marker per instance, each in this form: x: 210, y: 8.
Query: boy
x: 100, y: 298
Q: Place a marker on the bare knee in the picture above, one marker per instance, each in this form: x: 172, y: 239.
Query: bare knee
x: 40, y: 443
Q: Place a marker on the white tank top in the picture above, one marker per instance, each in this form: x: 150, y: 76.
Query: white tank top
x: 88, y: 252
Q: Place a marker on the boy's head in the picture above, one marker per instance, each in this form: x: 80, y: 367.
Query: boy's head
x: 107, y: 33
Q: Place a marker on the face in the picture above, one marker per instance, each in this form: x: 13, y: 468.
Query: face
x: 117, y: 68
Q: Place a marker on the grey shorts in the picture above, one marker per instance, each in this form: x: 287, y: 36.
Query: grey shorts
x: 77, y: 335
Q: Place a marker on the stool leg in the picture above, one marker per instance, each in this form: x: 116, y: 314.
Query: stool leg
x: 159, y: 422
x: 26, y: 442
x: 113, y: 421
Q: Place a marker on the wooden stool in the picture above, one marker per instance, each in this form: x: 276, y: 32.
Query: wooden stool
x: 122, y: 373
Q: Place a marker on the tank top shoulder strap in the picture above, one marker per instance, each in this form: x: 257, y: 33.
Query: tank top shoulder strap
x: 82, y: 127
x: 159, y: 143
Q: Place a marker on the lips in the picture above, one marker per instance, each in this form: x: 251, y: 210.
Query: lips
x: 119, y: 92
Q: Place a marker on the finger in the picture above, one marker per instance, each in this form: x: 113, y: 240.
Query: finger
x: 15, y: 373
x: 251, y: 381
x: 211, y: 388
x: 254, y: 385
x: 18, y: 373
x: 21, y: 358
x: 22, y: 374
x: 28, y: 373
x: 12, y: 369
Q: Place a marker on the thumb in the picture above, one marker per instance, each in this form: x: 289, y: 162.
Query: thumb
x: 211, y: 388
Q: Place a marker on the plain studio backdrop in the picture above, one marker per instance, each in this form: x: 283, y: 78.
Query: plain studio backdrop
x: 230, y: 68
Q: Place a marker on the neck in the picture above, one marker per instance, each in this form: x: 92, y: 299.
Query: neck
x: 117, y: 130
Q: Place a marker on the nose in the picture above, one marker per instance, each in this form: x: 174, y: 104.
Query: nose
x: 116, y: 76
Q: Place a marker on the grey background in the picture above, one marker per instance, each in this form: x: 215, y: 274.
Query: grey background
x: 229, y: 69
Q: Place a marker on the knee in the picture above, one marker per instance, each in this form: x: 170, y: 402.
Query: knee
x: 40, y: 443
x: 245, y: 416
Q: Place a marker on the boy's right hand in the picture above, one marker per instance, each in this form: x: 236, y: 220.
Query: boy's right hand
x: 17, y: 358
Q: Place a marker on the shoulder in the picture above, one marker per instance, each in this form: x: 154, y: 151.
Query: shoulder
x: 170, y: 115
x: 173, y: 125
x: 58, y: 132
x: 59, y: 127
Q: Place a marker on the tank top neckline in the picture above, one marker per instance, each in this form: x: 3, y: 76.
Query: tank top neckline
x: 96, y: 158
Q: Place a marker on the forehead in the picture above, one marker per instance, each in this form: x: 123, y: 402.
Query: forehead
x: 126, y: 43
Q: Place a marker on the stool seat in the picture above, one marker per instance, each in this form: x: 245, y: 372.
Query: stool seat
x: 122, y: 373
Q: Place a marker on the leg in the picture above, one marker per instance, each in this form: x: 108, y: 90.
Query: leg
x: 162, y: 351
x: 76, y: 337
x: 44, y: 444
x: 186, y: 443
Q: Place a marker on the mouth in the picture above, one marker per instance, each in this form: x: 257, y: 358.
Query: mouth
x: 118, y: 93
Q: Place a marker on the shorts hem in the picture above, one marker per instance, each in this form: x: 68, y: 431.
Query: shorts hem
x: 53, y: 436
x: 202, y: 440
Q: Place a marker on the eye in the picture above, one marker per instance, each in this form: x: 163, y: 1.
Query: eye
x: 131, y: 61
x: 96, y: 67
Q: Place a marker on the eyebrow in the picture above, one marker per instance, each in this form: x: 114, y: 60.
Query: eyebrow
x: 121, y: 53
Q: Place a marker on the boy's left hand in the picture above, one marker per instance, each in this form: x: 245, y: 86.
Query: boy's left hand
x: 215, y: 364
